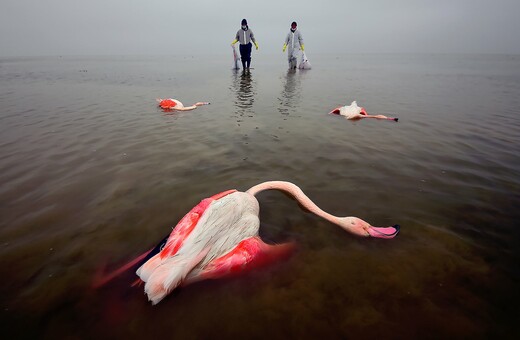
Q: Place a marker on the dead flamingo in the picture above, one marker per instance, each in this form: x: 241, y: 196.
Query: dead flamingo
x: 354, y: 112
x: 174, y: 104
x: 219, y: 238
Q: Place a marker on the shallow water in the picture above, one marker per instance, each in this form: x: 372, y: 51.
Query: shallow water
x: 92, y: 174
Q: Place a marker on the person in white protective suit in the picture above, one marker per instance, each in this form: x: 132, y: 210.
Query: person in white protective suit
x: 294, y: 41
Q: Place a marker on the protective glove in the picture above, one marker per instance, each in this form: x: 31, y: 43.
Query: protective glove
x: 234, y: 42
x: 256, y: 45
x: 303, y: 47
x: 284, y: 47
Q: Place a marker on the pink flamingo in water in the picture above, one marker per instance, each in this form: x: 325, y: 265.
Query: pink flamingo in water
x: 174, y: 104
x: 219, y: 238
x: 354, y: 112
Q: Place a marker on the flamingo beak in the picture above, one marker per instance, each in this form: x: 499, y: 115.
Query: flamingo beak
x: 384, y: 232
x: 335, y: 111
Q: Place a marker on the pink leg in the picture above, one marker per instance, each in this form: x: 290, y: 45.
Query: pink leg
x: 101, y: 279
x: 380, y: 117
x: 366, y: 115
x: 248, y: 254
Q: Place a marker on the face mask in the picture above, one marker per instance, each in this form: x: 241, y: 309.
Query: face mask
x: 244, y: 27
x: 293, y: 29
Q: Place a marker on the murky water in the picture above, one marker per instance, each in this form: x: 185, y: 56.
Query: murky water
x: 93, y: 174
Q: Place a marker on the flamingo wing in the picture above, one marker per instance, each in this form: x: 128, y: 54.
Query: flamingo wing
x: 209, y: 230
x: 168, y: 246
x: 178, y: 236
x: 167, y: 103
x: 248, y: 254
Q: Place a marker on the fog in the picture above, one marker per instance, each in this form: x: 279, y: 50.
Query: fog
x: 156, y: 27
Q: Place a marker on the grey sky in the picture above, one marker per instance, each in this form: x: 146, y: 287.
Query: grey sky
x: 122, y: 27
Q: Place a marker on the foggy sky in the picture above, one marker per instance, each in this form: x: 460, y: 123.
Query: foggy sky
x: 156, y: 27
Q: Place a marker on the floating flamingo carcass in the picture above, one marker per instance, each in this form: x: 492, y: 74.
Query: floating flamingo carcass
x: 219, y: 238
x: 354, y: 112
x: 174, y: 104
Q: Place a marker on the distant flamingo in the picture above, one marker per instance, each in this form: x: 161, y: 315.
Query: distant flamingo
x: 174, y: 104
x: 354, y: 112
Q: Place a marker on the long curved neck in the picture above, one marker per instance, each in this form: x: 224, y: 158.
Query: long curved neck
x: 297, y: 193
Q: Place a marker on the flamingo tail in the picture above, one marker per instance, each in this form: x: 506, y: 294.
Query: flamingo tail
x: 167, y: 274
x: 146, y: 270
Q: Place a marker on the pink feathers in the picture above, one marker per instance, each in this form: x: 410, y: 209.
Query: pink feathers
x: 168, y: 103
x: 219, y: 238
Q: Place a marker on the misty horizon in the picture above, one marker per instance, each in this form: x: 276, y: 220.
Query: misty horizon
x: 64, y: 28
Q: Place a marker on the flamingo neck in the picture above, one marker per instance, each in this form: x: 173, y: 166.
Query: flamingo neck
x: 297, y: 193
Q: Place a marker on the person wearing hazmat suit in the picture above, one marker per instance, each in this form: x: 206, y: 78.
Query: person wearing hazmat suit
x: 294, y: 41
x: 245, y: 36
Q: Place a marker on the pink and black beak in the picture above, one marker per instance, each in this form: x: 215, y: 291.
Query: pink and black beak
x: 384, y: 232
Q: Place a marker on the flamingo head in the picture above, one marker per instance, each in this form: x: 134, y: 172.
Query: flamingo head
x: 359, y: 227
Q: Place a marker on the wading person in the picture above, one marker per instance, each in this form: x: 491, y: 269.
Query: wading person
x: 245, y: 36
x: 294, y: 41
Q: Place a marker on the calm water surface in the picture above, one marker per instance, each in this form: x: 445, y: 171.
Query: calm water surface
x: 93, y: 174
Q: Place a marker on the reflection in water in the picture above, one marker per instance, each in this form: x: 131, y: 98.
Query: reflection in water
x: 244, y: 87
x: 291, y: 93
x: 96, y: 174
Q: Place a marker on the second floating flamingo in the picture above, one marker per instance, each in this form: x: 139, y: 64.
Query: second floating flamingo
x: 354, y: 112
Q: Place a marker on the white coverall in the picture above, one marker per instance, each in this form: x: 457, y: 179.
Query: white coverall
x: 294, y: 41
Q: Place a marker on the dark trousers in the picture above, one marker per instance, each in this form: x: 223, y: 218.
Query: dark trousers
x: 245, y: 54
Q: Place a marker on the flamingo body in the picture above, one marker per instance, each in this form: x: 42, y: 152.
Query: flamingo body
x: 351, y: 111
x: 169, y: 103
x: 219, y: 237
x: 210, y: 230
